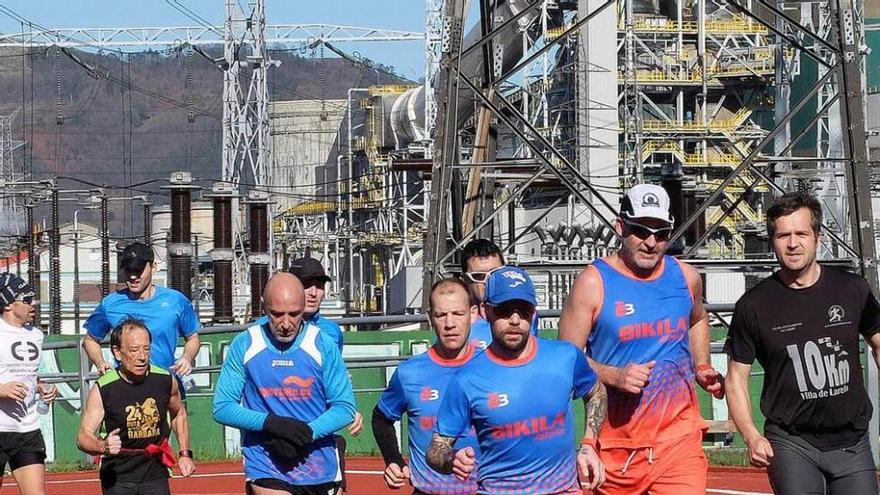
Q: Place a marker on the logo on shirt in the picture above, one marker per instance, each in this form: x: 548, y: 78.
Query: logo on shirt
x: 498, y: 399
x: 427, y: 422
x: 429, y: 394
x: 624, y: 309
x: 821, y: 368
x: 142, y: 419
x: 282, y: 362
x: 295, y: 388
x: 540, y: 427
x: 835, y: 314
x: 664, y: 329
x: 31, y: 353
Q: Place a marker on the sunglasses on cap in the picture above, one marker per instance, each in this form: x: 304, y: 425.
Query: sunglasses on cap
x: 25, y: 298
x: 643, y: 231
x: 506, y: 309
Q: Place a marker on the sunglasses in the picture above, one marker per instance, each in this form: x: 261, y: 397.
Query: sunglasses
x: 476, y: 277
x: 643, y: 231
x: 25, y: 298
x: 505, y: 310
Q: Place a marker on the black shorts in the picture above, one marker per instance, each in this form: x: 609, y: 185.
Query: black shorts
x: 22, y: 449
x: 273, y: 484
x: 158, y: 486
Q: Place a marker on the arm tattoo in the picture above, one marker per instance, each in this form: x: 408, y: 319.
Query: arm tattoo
x: 595, y: 408
x: 440, y: 453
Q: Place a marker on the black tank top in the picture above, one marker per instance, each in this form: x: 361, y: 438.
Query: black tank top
x: 140, y: 411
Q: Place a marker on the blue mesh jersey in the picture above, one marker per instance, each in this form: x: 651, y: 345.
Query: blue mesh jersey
x: 522, y: 413
x: 481, y: 332
x: 308, y: 382
x: 417, y: 388
x: 329, y: 327
x: 641, y: 321
x: 168, y: 314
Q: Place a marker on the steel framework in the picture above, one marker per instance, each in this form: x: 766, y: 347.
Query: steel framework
x: 742, y: 45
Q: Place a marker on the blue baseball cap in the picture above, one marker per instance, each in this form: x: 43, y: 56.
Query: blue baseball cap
x: 509, y: 283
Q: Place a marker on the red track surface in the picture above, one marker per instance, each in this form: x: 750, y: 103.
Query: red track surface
x: 364, y: 478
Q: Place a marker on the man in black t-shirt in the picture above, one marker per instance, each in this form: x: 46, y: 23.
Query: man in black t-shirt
x: 134, y: 402
x: 803, y: 325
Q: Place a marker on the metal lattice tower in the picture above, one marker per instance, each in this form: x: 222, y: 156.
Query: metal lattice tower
x: 246, y: 144
x: 11, y: 218
x: 433, y: 52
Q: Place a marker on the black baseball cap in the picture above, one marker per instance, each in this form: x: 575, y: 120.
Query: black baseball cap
x: 308, y: 269
x: 12, y: 286
x: 134, y: 258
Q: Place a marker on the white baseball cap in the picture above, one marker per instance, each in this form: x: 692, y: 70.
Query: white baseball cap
x: 646, y: 201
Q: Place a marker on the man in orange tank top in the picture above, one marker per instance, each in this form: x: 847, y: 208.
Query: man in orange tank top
x: 639, y: 315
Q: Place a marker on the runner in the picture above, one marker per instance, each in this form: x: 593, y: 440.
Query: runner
x: 802, y: 324
x: 417, y: 387
x: 641, y: 318
x: 517, y: 395
x: 166, y: 312
x: 21, y: 442
x: 284, y: 384
x: 134, y: 402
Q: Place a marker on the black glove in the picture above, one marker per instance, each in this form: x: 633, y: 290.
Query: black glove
x: 296, y: 432
x: 284, y: 451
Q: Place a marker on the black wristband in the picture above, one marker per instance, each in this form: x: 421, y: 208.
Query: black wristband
x: 185, y: 453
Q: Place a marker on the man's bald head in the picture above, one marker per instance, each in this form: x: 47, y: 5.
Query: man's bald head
x: 283, y: 301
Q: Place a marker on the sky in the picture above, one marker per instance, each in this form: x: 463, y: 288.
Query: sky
x: 408, y: 15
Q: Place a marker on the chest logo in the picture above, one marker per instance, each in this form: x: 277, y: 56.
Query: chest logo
x: 498, y: 399
x: 624, y: 309
x: 835, y: 314
x: 429, y: 394
x: 299, y: 382
x: 30, y: 353
x: 142, y: 419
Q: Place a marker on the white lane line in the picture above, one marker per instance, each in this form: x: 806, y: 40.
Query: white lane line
x: 720, y: 491
x: 734, y: 492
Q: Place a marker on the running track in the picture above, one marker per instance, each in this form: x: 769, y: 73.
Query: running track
x: 364, y: 478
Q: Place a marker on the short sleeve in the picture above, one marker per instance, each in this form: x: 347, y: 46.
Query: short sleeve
x: 870, y: 321
x: 189, y: 321
x: 454, y: 418
x: 741, y: 337
x: 392, y: 403
x: 584, y: 378
x: 96, y: 324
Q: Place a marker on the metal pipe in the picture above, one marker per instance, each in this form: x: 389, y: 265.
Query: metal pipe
x: 33, y: 258
x: 105, y: 247
x: 55, y: 266
x: 148, y: 223
x: 349, y: 299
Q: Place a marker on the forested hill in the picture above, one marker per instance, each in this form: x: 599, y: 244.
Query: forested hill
x: 128, y: 119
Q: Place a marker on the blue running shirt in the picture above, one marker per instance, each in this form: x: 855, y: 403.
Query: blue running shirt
x: 417, y: 388
x: 168, y: 314
x: 308, y: 382
x: 522, y: 414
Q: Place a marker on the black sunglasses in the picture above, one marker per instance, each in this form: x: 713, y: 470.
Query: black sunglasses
x: 643, y: 231
x: 505, y: 310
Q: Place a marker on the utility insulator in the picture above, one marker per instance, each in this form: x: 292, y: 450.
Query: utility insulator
x: 223, y: 254
x: 180, y: 249
x: 259, y: 257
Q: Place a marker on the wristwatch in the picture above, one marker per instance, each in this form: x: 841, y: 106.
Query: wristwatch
x: 185, y: 453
